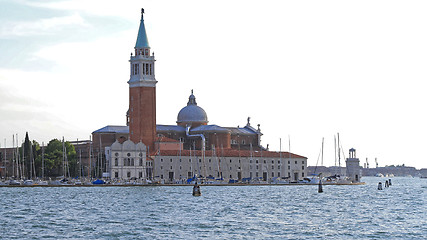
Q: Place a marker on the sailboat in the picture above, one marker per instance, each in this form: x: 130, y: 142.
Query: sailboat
x: 337, y: 178
x: 315, y: 178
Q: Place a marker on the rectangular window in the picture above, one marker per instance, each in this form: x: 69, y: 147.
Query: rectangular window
x: 116, y: 174
x: 135, y: 69
x: 278, y: 174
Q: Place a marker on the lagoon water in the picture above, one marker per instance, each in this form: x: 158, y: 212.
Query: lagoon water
x: 224, y: 212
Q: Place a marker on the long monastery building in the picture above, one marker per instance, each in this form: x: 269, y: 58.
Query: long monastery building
x: 144, y: 149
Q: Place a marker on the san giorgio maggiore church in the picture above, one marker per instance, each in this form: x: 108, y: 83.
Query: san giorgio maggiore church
x: 192, y: 147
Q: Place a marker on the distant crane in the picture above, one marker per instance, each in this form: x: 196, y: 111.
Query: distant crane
x: 367, y: 163
x: 376, y: 163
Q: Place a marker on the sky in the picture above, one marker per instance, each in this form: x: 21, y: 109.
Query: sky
x: 303, y: 70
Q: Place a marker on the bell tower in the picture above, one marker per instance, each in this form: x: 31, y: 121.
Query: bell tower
x: 142, y: 91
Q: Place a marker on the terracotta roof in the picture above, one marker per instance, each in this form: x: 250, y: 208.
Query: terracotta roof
x: 230, y: 153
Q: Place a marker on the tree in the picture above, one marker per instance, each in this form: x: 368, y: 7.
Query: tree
x: 55, y: 161
x: 27, y: 156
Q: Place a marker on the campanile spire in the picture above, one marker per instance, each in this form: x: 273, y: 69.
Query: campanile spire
x: 142, y: 40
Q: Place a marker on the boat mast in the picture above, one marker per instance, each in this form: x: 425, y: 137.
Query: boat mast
x: 335, y: 153
x: 90, y: 158
x: 180, y: 156
x: 339, y: 153
x: 100, y: 155
x: 67, y: 166
x: 34, y: 163
x: 42, y: 160
x: 252, y: 156
x: 323, y: 139
x: 289, y: 156
x: 4, y: 163
x: 280, y: 150
x: 195, y: 156
x: 23, y: 162
x: 63, y: 158
x: 80, y: 160
x: 203, y: 157
x: 32, y: 160
x: 18, y: 163
x: 13, y: 156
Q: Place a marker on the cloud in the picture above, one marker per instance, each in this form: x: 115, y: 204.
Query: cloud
x: 94, y: 7
x: 46, y: 26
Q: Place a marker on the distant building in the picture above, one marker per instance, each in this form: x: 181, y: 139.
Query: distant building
x: 145, y: 149
x: 353, y: 166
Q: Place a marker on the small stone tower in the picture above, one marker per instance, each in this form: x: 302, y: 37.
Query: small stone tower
x: 352, y: 165
x: 142, y: 92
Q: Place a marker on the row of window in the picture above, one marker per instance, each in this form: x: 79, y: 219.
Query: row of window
x: 128, y: 174
x: 128, y: 162
x: 147, y: 69
x: 142, y: 52
x: 210, y: 168
x: 127, y: 154
x: 210, y: 160
x: 234, y: 141
x: 190, y: 174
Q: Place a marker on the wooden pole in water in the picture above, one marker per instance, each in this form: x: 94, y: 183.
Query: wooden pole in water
x: 320, y: 190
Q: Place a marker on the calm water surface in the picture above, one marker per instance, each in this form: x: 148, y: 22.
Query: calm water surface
x: 226, y: 212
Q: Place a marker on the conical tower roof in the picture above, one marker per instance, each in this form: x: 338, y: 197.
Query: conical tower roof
x: 142, y: 40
